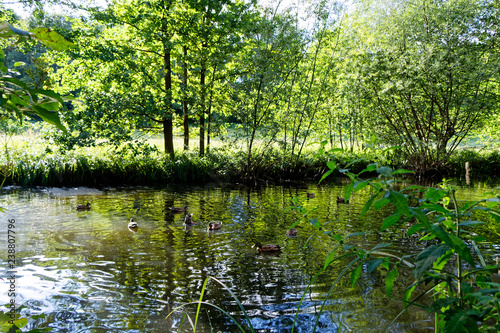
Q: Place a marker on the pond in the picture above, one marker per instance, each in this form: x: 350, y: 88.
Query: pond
x: 88, y: 272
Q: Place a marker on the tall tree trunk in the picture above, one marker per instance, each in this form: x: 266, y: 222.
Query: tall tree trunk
x: 168, y: 133
x: 167, y: 122
x: 184, y: 100
x: 202, y: 104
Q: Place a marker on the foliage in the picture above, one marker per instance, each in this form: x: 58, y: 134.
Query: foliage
x: 14, y: 322
x: 451, y: 268
x: 18, y: 98
x: 430, y: 69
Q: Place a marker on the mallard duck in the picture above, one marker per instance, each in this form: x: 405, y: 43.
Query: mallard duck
x: 132, y: 224
x: 342, y: 200
x: 292, y: 232
x: 311, y: 195
x: 266, y: 248
x: 214, y: 225
x: 83, y: 207
x: 179, y: 210
x: 188, y: 219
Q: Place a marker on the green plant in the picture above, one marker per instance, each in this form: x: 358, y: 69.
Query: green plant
x: 200, y: 302
x: 12, y: 322
x: 452, y: 268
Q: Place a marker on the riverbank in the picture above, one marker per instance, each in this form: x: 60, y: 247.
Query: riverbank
x: 31, y: 162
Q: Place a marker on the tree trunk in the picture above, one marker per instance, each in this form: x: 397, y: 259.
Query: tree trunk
x: 184, y: 100
x: 202, y: 106
x: 167, y: 119
x: 168, y: 135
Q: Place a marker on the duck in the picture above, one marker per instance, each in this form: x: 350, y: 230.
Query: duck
x: 342, y: 200
x: 266, y: 248
x: 292, y: 232
x: 132, y: 224
x: 188, y: 219
x: 310, y: 195
x: 83, y: 207
x: 214, y: 225
x: 179, y: 210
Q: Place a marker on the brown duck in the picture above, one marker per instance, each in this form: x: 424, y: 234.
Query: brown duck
x: 292, y: 232
x: 342, y: 200
x: 83, y: 207
x: 214, y: 225
x: 178, y: 210
x: 266, y: 248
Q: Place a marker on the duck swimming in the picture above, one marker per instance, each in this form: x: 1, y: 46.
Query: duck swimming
x: 132, y: 224
x: 342, y: 200
x: 292, y: 232
x: 83, y: 207
x: 266, y: 248
x: 188, y: 219
x: 178, y: 210
x: 214, y: 225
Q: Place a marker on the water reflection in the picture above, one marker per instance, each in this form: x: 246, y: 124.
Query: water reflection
x: 89, y: 273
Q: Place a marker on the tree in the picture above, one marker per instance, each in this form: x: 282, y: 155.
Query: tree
x: 429, y: 67
x: 126, y: 73
x: 271, y: 55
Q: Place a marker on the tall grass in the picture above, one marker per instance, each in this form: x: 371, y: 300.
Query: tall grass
x: 34, y: 162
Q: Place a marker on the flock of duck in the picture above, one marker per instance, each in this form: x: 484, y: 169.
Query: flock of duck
x: 216, y: 225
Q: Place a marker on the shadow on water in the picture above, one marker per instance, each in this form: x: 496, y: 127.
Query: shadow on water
x: 88, y: 272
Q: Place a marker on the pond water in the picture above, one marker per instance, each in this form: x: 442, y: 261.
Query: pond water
x: 87, y: 272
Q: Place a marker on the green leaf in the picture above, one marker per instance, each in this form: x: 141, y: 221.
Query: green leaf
x: 355, y: 275
x: 329, y: 259
x: 389, y: 281
x: 381, y: 203
x: 355, y: 234
x: 331, y: 165
x: 50, y: 94
x: 385, y: 171
x: 400, y: 202
x: 390, y: 221
x: 435, y: 208
x: 49, y: 116
x: 414, y: 229
x: 52, y: 39
x: 373, y: 264
x: 470, y: 223
x: 315, y: 222
x: 434, y: 195
x: 462, y: 249
x: 7, y: 31
x: 381, y: 246
x: 493, y: 202
x: 409, y: 291
x: 360, y: 185
x: 367, y: 205
x: 348, y: 191
x: 326, y: 174
x: 402, y: 171
x: 461, y: 322
x: 427, y: 257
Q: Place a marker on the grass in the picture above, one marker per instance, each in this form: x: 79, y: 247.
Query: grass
x: 32, y: 161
